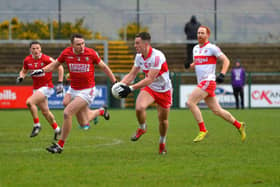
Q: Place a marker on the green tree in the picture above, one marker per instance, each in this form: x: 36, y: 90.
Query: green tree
x: 39, y: 29
x: 131, y: 31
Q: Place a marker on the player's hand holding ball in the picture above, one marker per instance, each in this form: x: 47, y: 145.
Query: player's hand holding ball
x: 120, y: 90
x: 116, y: 88
x: 125, y: 91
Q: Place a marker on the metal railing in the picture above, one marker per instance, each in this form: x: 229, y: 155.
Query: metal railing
x: 103, y: 42
x: 233, y: 26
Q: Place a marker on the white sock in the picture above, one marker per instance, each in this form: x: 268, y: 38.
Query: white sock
x: 36, y: 125
x: 57, y: 129
x: 142, y: 126
x: 162, y: 139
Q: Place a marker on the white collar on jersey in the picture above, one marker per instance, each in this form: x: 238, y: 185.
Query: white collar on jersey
x: 149, y: 53
x: 77, y: 53
x: 37, y: 58
x: 204, y: 44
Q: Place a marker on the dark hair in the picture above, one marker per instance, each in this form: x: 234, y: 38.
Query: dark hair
x: 76, y: 35
x: 144, y: 36
x: 34, y: 42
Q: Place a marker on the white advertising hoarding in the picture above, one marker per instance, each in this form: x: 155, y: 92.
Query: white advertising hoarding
x: 265, y: 95
x: 223, y: 92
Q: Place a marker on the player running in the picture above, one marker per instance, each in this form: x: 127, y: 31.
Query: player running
x: 42, y: 87
x: 205, y: 56
x: 80, y: 61
x: 82, y: 118
x: 155, y: 87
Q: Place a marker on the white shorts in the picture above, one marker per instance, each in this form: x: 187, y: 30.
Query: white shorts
x: 46, y: 91
x: 86, y: 94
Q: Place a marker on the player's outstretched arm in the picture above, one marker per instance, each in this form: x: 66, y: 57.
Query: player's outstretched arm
x: 225, y: 61
x: 21, y: 76
x: 152, y: 75
x: 59, y: 86
x: 107, y: 71
x: 60, y: 71
x: 128, y: 78
x: 50, y: 67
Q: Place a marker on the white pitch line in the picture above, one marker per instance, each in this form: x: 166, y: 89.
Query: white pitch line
x: 114, y: 142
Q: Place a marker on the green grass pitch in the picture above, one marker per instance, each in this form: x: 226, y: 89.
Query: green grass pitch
x: 105, y: 156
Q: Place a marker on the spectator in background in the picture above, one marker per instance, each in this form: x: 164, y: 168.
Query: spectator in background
x: 42, y: 87
x: 191, y: 28
x: 238, y: 78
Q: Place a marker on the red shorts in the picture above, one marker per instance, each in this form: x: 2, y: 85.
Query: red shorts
x: 209, y: 87
x: 164, y: 99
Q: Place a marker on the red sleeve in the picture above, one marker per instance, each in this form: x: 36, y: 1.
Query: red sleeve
x: 25, y: 66
x: 47, y: 59
x: 95, y: 57
x: 61, y: 58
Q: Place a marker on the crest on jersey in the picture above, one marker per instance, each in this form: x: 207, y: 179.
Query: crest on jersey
x: 147, y: 65
x: 42, y: 63
x: 87, y: 58
x: 78, y: 59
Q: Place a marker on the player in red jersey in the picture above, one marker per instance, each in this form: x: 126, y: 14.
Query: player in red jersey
x: 205, y: 56
x: 80, y: 61
x: 42, y: 85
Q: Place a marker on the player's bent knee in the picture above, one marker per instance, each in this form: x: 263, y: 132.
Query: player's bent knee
x: 217, y: 112
x: 67, y: 115
x: 140, y: 108
x: 28, y: 102
x: 164, y: 122
x: 190, y: 104
x: 65, y: 103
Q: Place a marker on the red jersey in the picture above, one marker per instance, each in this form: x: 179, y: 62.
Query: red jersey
x: 44, y: 79
x: 80, y: 66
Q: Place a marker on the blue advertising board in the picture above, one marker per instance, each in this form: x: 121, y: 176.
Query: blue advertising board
x: 55, y: 101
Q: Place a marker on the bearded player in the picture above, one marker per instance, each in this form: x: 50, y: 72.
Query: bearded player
x: 81, y: 63
x: 205, y: 56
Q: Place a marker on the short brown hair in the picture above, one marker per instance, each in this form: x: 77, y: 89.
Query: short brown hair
x: 76, y: 35
x: 34, y: 42
x: 144, y: 36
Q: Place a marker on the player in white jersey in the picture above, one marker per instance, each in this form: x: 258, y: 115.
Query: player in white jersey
x: 155, y: 87
x: 205, y: 56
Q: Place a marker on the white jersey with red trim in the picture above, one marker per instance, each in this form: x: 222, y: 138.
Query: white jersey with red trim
x: 205, y: 59
x: 155, y: 60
